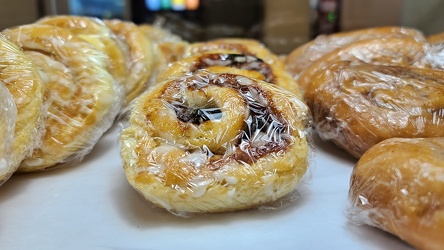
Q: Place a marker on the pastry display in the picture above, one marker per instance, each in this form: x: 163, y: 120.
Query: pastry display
x: 212, y: 142
x: 358, y: 105
x: 398, y: 186
x: 303, y: 56
x: 84, y: 97
x: 8, y: 117
x: 24, y: 83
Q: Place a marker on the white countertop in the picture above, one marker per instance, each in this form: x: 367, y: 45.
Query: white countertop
x: 92, y: 206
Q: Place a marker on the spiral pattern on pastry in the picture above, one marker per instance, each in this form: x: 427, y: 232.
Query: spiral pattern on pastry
x: 84, y: 97
x: 358, y: 106
x: 94, y: 31
x: 23, y: 82
x: 398, y: 186
x: 141, y: 56
x: 303, y: 56
x: 215, y: 142
x: 8, y: 117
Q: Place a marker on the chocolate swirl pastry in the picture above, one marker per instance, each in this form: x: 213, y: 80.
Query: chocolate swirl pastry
x: 215, y: 142
x: 357, y: 106
x: 398, y: 186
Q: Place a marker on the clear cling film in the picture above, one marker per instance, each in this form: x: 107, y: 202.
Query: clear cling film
x: 8, y: 117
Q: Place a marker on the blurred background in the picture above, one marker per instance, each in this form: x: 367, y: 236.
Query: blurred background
x: 281, y: 24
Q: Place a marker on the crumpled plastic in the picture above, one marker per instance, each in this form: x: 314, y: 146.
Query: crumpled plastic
x: 8, y: 116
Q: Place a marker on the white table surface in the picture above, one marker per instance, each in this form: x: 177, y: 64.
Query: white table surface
x: 92, y: 206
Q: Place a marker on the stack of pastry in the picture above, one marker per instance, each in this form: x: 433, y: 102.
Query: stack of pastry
x: 379, y: 94
x: 223, y: 128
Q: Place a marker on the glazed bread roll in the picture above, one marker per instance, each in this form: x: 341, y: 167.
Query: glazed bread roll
x: 8, y: 117
x: 84, y: 97
x: 398, y: 186
x: 23, y: 82
x: 94, y: 31
x: 382, y: 51
x: 215, y: 142
x: 357, y: 106
x: 141, y: 60
x: 303, y: 56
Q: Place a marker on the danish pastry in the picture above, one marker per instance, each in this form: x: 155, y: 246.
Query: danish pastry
x: 384, y: 51
x: 303, y: 56
x: 357, y: 106
x: 398, y: 186
x: 8, y: 116
x: 98, y: 34
x: 84, y: 97
x: 23, y: 81
x: 141, y: 56
x: 215, y: 142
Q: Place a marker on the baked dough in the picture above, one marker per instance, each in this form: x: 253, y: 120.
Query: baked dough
x: 383, y: 51
x: 84, y: 97
x: 436, y: 38
x: 141, y: 56
x: 94, y: 31
x: 8, y: 117
x: 398, y: 186
x: 26, y: 87
x: 303, y: 56
x: 214, y: 143
x: 357, y: 106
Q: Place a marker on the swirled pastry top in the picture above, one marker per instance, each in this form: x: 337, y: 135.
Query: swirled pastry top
x: 398, y: 185
x: 85, y: 98
x: 8, y: 117
x: 206, y: 142
x: 357, y: 106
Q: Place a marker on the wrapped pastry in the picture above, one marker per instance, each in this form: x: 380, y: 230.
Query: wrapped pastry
x: 436, y: 38
x: 215, y: 142
x: 398, y: 186
x: 357, y: 106
x: 8, y: 117
x: 141, y: 59
x: 23, y: 82
x: 84, y: 97
x: 303, y: 56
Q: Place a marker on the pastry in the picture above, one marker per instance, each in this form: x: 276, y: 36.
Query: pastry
x: 358, y: 105
x: 384, y: 51
x: 8, y: 117
x: 436, y: 38
x: 398, y: 186
x: 214, y: 143
x: 23, y: 81
x: 303, y: 56
x: 98, y: 34
x: 141, y: 56
x: 84, y: 97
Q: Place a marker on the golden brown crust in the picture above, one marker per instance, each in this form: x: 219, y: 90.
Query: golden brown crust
x: 437, y: 38
x: 201, y: 143
x: 357, y: 106
x: 398, y: 186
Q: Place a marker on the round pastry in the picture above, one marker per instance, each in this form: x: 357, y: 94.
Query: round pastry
x: 84, y: 97
x: 215, y: 143
x: 23, y: 81
x: 141, y: 56
x: 232, y: 63
x: 398, y: 186
x: 303, y: 56
x: 98, y: 34
x: 8, y: 117
x: 384, y: 51
x: 357, y: 106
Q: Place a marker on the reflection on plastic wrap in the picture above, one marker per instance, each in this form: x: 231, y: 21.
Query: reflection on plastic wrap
x: 357, y: 106
x: 398, y: 186
x: 215, y: 142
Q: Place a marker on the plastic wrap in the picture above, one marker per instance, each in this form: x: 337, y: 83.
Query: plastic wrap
x: 303, y: 56
x: 8, y: 117
x: 26, y: 87
x: 215, y: 143
x: 357, y: 106
x: 85, y: 98
x: 141, y: 60
x: 398, y: 186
